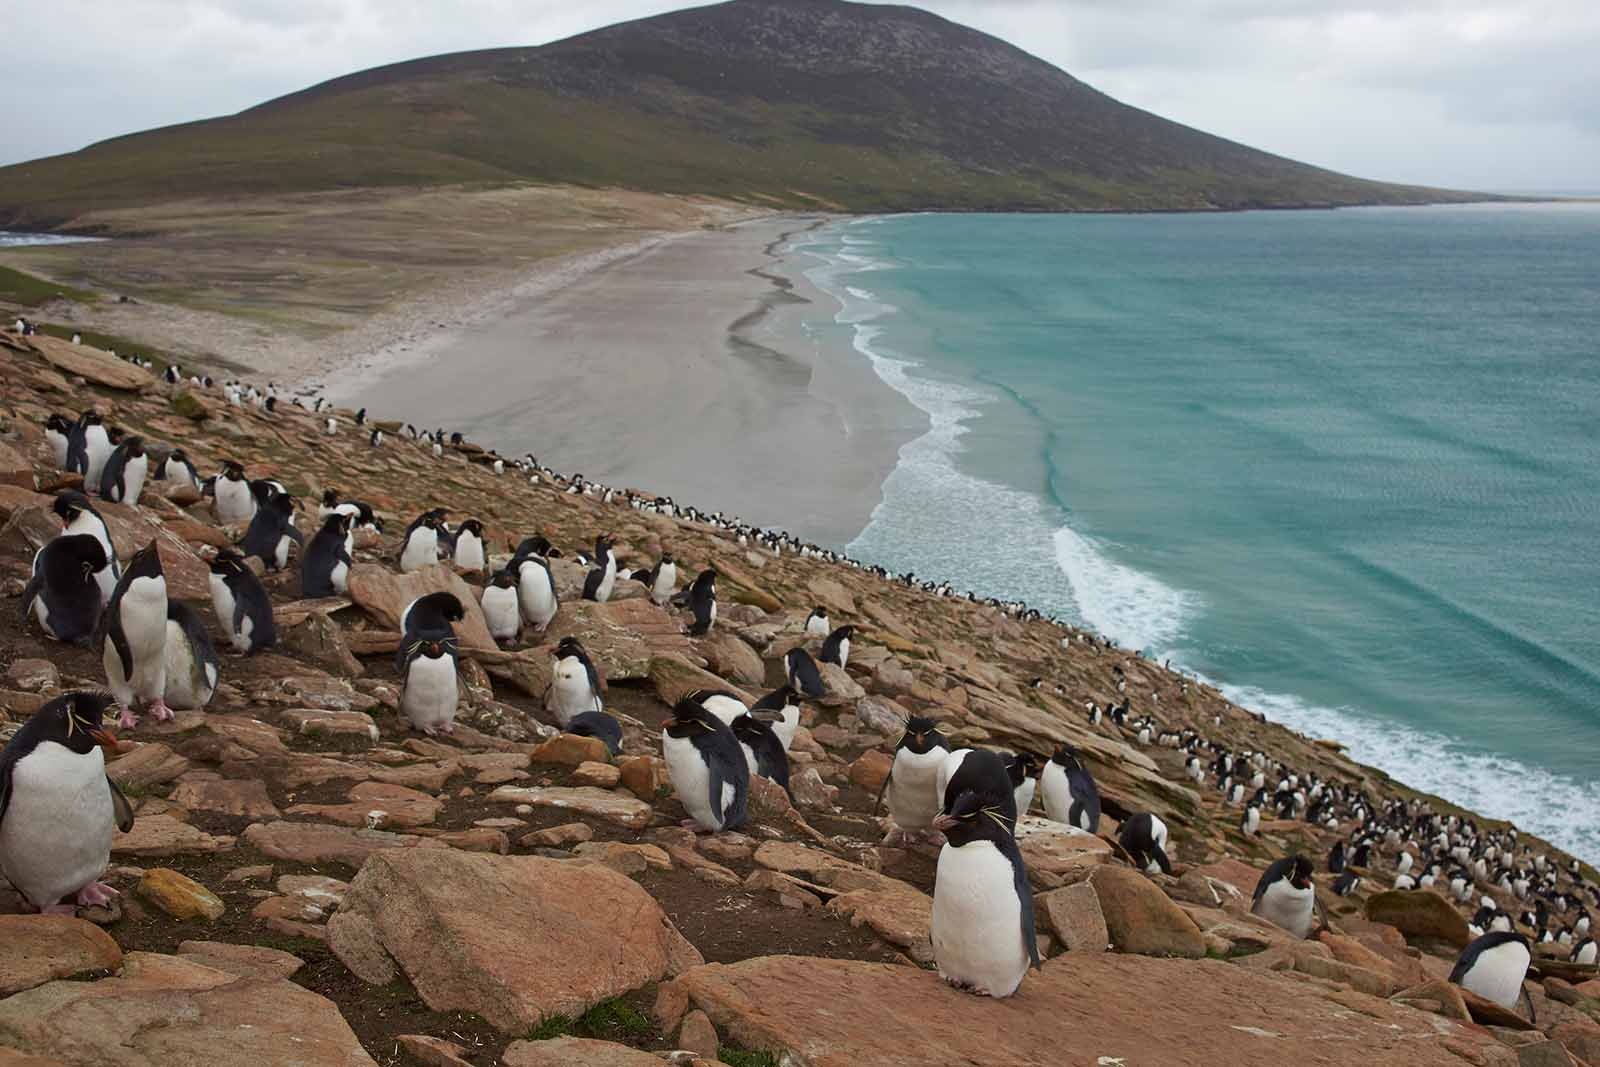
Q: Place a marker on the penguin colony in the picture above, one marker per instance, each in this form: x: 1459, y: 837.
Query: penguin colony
x: 158, y: 655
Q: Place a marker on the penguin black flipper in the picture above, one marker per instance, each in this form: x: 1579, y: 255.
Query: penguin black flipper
x: 591, y: 584
x: 111, y: 620
x: 121, y: 809
x: 32, y: 589
x: 724, y: 764
x: 598, y: 724
x: 1019, y: 881
x: 877, y: 805
x: 1277, y: 871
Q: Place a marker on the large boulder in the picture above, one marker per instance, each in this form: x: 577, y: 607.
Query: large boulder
x: 1080, y: 1008
x: 92, y: 364
x: 515, y: 939
x: 167, y: 1011
x: 1420, y: 913
x: 1141, y: 919
x: 384, y: 595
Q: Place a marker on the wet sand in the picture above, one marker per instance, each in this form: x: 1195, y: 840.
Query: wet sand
x: 680, y: 366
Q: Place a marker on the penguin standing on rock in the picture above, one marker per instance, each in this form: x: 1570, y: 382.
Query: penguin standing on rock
x: 707, y: 768
x: 701, y: 597
x: 325, y: 564
x: 135, y: 630
x: 912, y: 784
x: 271, y: 532
x: 427, y: 662
x: 234, y: 500
x: 603, y: 575
x: 662, y: 579
x: 500, y: 609
x: 192, y: 666
x: 58, y: 432
x: 1019, y: 767
x: 804, y: 677
x: 1144, y: 837
x: 78, y: 516
x: 836, y: 649
x: 241, y: 603
x: 1069, y: 792
x: 469, y: 555
x: 982, y: 925
x: 536, y: 590
x: 63, y: 594
x: 420, y: 546
x: 175, y: 467
x: 817, y: 624
x: 1286, y: 896
x: 58, y: 810
x: 1494, y: 966
x: 574, y: 683
x: 88, y: 448
x: 122, y: 479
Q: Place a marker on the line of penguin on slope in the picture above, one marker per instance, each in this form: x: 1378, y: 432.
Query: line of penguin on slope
x: 968, y: 800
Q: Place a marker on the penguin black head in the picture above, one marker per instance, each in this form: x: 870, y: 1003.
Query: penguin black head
x: 338, y: 523
x: 91, y: 418
x: 666, y: 557
x: 135, y: 445
x: 75, y: 559
x: 233, y: 470
x: 472, y: 526
x: 440, y: 606
x: 69, y: 505
x: 847, y: 631
x: 146, y: 563
x: 73, y: 720
x: 974, y: 816
x: 569, y: 647
x: 58, y: 424
x: 922, y: 736
x: 777, y: 700
x: 227, y: 562
x: 330, y: 498
x: 1066, y: 755
x: 1299, y: 875
x: 1019, y: 765
x: 505, y: 579
x: 690, y: 719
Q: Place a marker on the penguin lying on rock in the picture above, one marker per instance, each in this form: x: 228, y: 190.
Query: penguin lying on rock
x: 63, y: 594
x: 574, y: 683
x: 58, y: 810
x: 1286, y: 896
x: 1494, y: 966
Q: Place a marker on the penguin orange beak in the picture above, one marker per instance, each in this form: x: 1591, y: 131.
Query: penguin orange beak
x: 943, y: 822
x: 105, y: 739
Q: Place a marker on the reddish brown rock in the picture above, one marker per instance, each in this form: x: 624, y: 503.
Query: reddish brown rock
x: 246, y: 961
x: 870, y: 770
x: 644, y: 776
x: 558, y: 836
x: 155, y: 836
x: 576, y: 1052
x: 1437, y: 996
x: 35, y: 949
x: 243, y: 797
x: 433, y: 1051
x: 377, y: 805
x: 309, y: 842
x: 147, y: 765
x: 616, y: 807
x: 570, y: 750
x: 1420, y: 913
x: 698, y: 1035
x: 582, y: 933
x: 1141, y: 918
x: 1073, y: 914
x: 384, y: 594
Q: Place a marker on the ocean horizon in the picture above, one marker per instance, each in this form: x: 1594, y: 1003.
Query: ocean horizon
x: 1342, y: 465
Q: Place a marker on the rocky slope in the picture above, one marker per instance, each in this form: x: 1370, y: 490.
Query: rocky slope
x: 799, y: 103
x: 309, y: 882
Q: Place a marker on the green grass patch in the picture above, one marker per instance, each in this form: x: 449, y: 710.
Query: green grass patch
x: 610, y: 1020
x: 551, y: 1027
x: 739, y: 1058
x: 28, y: 290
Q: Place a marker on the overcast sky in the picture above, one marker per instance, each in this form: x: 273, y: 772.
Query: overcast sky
x: 1483, y: 94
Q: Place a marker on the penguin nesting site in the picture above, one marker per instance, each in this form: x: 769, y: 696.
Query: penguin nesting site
x: 333, y: 742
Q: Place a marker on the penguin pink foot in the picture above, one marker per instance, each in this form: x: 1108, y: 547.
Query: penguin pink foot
x: 690, y: 824
x: 97, y: 895
x: 159, y: 709
x: 126, y: 719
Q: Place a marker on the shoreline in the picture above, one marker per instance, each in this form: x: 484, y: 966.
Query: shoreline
x: 690, y: 350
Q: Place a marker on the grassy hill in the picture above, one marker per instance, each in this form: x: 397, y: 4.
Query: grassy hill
x: 800, y: 103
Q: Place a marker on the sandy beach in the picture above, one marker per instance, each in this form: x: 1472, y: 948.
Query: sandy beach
x: 677, y: 364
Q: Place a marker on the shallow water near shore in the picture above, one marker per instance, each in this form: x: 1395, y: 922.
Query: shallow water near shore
x: 1343, y: 464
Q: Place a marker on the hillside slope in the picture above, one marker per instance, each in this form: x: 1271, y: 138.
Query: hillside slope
x: 816, y: 103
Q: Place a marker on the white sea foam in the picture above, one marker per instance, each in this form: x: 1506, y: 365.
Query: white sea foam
x: 13, y: 239
x: 944, y: 523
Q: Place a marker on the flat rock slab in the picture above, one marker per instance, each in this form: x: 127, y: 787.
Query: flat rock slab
x: 1078, y: 1009
x: 576, y: 1052
x: 515, y: 939
x: 620, y: 808
x: 242, y: 797
x: 35, y: 949
x: 319, y: 722
x: 92, y: 364
x: 307, y: 842
x: 155, y: 836
x: 168, y: 1011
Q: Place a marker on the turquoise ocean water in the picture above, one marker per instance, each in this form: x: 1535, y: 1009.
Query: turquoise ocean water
x: 1346, y: 465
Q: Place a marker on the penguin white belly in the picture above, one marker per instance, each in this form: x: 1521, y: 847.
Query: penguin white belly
x: 429, y: 697
x: 1497, y: 974
x: 844, y: 654
x: 608, y: 580
x: 750, y: 758
x: 537, y: 597
x: 501, y: 612
x: 222, y: 604
x: 1284, y: 905
x: 234, y: 502
x: 58, y: 447
x: 977, y: 920
x: 190, y: 683
x: 133, y: 473
x: 914, y: 788
x: 340, y: 576
x: 570, y: 693
x: 144, y: 623
x: 1023, y: 794
x: 422, y: 550
x: 1587, y: 954
x: 98, y: 448
x: 56, y: 835
x: 666, y: 584
x: 785, y: 728
x: 469, y: 552
x: 691, y: 779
